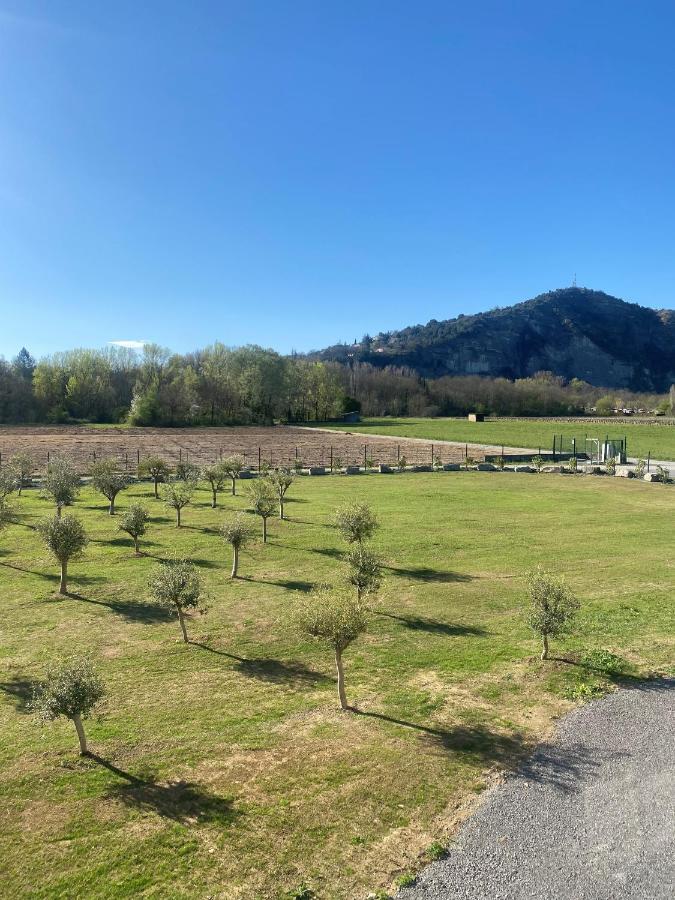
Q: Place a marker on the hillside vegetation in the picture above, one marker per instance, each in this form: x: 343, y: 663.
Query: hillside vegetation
x: 572, y: 332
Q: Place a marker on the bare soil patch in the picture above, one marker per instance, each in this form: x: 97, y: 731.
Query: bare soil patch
x: 278, y: 445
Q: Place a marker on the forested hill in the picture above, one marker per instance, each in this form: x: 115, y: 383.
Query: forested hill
x: 573, y: 332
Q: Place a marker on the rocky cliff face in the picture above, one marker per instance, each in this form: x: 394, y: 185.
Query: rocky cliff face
x: 573, y: 332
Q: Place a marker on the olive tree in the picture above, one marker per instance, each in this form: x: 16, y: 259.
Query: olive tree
x: 61, y: 484
x: 187, y: 471
x: 281, y: 479
x: 5, y: 513
x: 72, y: 690
x: 9, y: 482
x: 337, y: 618
x: 156, y: 468
x: 236, y: 533
x: 65, y: 538
x: 177, y: 495
x: 364, y: 570
x: 135, y: 523
x: 177, y: 585
x: 232, y: 466
x: 263, y: 502
x: 552, y: 607
x: 216, y: 476
x: 107, y: 481
x: 356, y: 522
x: 23, y: 466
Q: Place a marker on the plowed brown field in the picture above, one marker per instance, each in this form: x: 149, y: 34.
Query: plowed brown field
x: 277, y: 445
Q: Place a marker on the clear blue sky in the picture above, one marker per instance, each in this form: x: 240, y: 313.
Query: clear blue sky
x: 292, y: 173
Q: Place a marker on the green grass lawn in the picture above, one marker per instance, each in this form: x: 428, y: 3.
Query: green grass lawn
x: 658, y: 438
x: 224, y: 768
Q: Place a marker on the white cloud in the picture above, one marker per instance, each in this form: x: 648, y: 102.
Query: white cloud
x: 131, y: 345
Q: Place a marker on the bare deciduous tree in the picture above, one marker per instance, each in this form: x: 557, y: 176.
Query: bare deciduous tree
x: 263, y: 501
x: 236, y: 533
x: 336, y: 617
x: 156, y: 468
x: 135, y: 523
x: 65, y: 538
x: 72, y: 690
x: 356, y: 522
x: 552, y: 607
x: 178, y: 495
x: 177, y: 584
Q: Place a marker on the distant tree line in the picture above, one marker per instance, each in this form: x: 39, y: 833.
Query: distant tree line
x: 219, y: 385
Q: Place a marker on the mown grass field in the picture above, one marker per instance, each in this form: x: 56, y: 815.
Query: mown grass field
x: 657, y: 438
x: 224, y: 768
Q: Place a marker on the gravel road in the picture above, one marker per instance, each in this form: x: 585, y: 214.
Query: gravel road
x: 591, y: 816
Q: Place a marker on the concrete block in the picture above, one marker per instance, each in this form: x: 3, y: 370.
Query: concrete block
x: 317, y: 470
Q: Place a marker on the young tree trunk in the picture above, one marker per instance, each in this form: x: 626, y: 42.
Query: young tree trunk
x: 20, y: 488
x: 63, y: 587
x: 181, y: 619
x: 213, y: 503
x: 264, y: 518
x: 281, y: 507
x: 178, y: 517
x: 58, y: 510
x: 138, y: 552
x: 156, y: 481
x: 341, y: 680
x: 544, y: 650
x: 235, y: 561
x: 234, y: 486
x: 79, y: 727
x: 111, y: 509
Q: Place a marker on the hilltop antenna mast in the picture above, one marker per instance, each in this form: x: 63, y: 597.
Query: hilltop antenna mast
x: 574, y: 280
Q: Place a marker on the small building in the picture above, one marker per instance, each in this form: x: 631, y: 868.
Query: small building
x: 476, y: 417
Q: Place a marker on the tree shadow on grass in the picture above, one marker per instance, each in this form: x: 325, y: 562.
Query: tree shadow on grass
x: 206, y: 563
x: 51, y: 576
x: 476, y: 742
x: 291, y: 584
x: 279, y: 672
x: 267, y: 669
x: 619, y: 676
x: 331, y: 552
x: 181, y: 801
x: 20, y: 690
x: 419, y: 623
x: 133, y: 610
x: 123, y: 542
x: 424, y: 573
